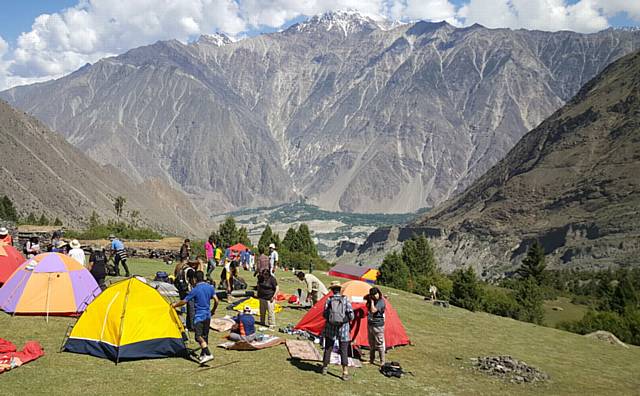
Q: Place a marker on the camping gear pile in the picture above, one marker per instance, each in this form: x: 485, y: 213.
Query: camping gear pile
x: 48, y: 284
x: 129, y: 320
x: 11, y: 358
x: 394, y: 334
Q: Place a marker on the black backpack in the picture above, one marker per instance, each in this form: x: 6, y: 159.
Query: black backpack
x: 392, y: 369
x: 182, y: 283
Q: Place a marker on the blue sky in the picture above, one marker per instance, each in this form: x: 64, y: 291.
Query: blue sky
x: 43, y: 39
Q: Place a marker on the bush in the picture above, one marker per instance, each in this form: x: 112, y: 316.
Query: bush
x: 499, y: 302
x: 122, y: 230
x: 594, y: 321
x: 394, y: 272
x: 529, y: 298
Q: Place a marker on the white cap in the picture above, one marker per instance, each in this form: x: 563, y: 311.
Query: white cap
x: 272, y: 246
x: 3, y: 231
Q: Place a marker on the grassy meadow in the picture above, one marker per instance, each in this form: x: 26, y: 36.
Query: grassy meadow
x: 443, y: 342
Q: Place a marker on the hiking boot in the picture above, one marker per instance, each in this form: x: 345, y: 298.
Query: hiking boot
x: 346, y: 377
x: 205, y: 358
x: 324, y: 371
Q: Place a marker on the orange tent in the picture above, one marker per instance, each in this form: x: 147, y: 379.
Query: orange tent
x: 238, y: 247
x: 394, y: 333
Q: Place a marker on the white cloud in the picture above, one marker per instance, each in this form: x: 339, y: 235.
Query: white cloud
x: 61, y: 42
x: 552, y: 15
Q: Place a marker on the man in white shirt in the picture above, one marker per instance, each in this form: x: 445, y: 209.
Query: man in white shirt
x: 314, y: 287
x: 274, y: 259
x: 76, y: 252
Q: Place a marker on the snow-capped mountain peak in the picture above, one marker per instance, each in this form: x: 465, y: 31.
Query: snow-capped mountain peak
x: 217, y: 39
x: 344, y: 21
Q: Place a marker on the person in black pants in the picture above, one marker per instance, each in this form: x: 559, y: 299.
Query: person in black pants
x: 98, y: 266
x: 337, y: 306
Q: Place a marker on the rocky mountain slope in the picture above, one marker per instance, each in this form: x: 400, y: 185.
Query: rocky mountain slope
x: 42, y: 173
x: 572, y: 183
x: 353, y: 113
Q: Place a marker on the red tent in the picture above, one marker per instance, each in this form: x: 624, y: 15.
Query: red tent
x: 238, y: 247
x: 10, y: 260
x: 394, y: 333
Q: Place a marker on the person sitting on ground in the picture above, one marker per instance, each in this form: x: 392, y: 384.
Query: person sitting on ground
x: 338, y: 312
x: 314, y: 287
x: 245, y: 327
x: 267, y: 291
x: 5, y: 237
x: 32, y: 247
x: 76, y: 252
x: 98, y: 266
x: 119, y: 254
x: 201, y: 294
x: 375, y: 324
x: 236, y: 282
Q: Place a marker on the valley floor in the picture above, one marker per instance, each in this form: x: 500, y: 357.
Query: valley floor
x: 444, y: 341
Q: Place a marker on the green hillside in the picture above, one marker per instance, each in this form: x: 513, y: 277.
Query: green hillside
x: 444, y: 341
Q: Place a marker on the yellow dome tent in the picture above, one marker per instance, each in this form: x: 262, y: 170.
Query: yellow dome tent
x: 254, y: 303
x: 129, y: 320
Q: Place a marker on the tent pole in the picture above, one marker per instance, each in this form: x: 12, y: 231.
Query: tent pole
x: 124, y: 308
x: 48, y: 294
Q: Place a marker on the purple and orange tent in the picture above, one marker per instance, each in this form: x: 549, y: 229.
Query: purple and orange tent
x: 48, y: 284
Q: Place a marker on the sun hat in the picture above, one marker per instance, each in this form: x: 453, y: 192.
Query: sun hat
x: 3, y: 231
x: 111, y: 236
x: 246, y: 309
x: 75, y: 244
x: 61, y: 243
x: 272, y: 246
x: 335, y: 285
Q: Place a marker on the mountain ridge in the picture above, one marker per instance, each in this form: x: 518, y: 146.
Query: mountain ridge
x: 370, y: 121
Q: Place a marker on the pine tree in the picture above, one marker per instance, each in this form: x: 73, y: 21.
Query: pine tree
x: 243, y: 236
x: 394, y: 272
x: 533, y: 266
x: 228, y: 233
x: 624, y: 296
x: 7, y: 210
x: 267, y: 238
x: 418, y: 256
x: 307, y: 245
x: 43, y: 221
x: 31, y: 219
x: 94, y: 220
x: 466, y: 292
x: 290, y: 241
x: 529, y: 298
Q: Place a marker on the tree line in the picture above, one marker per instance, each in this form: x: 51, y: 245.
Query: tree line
x: 9, y: 212
x: 612, y: 296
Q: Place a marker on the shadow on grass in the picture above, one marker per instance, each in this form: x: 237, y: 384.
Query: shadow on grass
x: 310, y: 367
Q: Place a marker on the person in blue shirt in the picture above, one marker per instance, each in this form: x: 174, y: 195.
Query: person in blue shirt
x: 245, y: 327
x: 119, y: 254
x: 201, y: 294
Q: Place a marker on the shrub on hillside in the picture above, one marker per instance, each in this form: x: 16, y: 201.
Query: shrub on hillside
x: 499, y: 302
x: 529, y: 298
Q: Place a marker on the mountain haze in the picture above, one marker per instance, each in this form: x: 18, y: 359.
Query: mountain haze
x: 42, y: 173
x: 571, y: 183
x: 352, y: 113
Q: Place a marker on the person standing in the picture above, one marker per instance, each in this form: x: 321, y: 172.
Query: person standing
x: 218, y: 255
x: 263, y: 263
x: 33, y: 247
x: 55, y: 240
x: 375, y: 324
x: 185, y: 250
x: 209, y: 249
x: 245, y: 327
x: 338, y: 312
x: 274, y: 258
x: 314, y: 287
x: 5, y: 237
x: 252, y: 261
x: 267, y: 291
x: 244, y: 259
x: 185, y: 280
x: 201, y: 295
x: 119, y: 254
x: 98, y: 266
x: 76, y: 252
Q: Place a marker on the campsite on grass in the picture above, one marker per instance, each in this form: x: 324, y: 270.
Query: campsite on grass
x: 443, y: 343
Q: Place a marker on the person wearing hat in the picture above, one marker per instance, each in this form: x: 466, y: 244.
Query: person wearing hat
x: 274, y: 258
x: 245, y: 327
x: 76, y: 252
x: 338, y: 312
x: 314, y: 287
x: 5, y: 237
x: 119, y: 254
x: 61, y: 247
